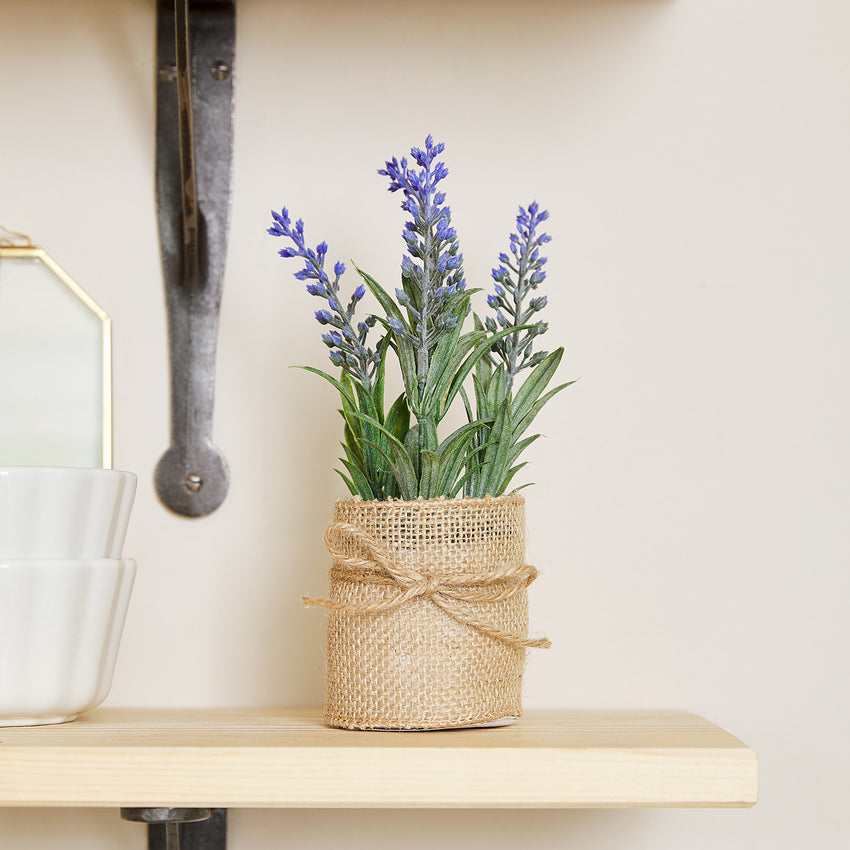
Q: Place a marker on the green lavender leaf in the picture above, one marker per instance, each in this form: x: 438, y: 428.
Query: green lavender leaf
x: 403, y: 347
x: 331, y: 380
x: 467, y: 406
x: 428, y: 440
x: 473, y: 471
x: 535, y: 383
x: 509, y: 477
x: 359, y: 480
x: 453, y: 453
x: 497, y: 389
x: 351, y: 443
x: 496, y: 455
x: 430, y: 474
x: 407, y: 481
x: 480, y: 388
x: 380, y: 379
x: 522, y: 487
x: 469, y: 364
x: 397, y: 456
x: 361, y: 431
x: 397, y: 421
x: 526, y: 420
x: 348, y: 483
x: 516, y: 450
x: 435, y: 397
x: 442, y: 356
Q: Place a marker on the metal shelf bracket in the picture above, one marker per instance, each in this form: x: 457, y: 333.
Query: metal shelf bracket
x: 182, y: 829
x: 194, y: 142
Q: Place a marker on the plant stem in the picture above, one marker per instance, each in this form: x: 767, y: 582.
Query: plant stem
x: 423, y: 359
x: 512, y: 342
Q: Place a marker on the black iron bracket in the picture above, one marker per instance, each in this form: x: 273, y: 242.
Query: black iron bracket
x: 194, y: 144
x: 182, y: 829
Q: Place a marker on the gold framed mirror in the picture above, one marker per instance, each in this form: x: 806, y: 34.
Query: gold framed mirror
x: 55, y: 365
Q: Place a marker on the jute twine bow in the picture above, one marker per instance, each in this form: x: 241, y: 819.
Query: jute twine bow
x: 492, y: 585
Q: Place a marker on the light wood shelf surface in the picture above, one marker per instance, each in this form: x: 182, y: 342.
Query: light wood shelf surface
x: 272, y: 758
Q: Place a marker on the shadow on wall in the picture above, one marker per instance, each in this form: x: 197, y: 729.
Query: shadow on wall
x: 103, y: 829
x: 411, y: 829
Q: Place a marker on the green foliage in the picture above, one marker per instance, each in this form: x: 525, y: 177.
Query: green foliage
x: 368, y: 433
x: 502, y: 419
x: 474, y: 454
x: 385, y: 457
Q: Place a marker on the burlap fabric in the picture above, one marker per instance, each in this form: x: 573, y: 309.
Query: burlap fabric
x: 428, y: 615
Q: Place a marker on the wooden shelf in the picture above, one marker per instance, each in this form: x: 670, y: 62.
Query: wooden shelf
x: 273, y: 758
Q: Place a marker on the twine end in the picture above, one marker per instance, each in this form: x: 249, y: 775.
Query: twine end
x: 312, y: 602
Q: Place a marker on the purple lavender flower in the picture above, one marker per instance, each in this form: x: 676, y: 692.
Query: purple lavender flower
x: 515, y: 279
x: 347, y: 343
x: 432, y: 271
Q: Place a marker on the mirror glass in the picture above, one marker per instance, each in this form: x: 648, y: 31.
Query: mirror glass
x: 55, y: 370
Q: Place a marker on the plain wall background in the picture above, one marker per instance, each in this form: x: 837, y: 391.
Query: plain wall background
x: 690, y: 510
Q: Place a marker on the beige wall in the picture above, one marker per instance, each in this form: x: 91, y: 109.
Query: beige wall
x: 689, y: 517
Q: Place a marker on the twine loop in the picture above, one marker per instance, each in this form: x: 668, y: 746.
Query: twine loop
x: 450, y: 593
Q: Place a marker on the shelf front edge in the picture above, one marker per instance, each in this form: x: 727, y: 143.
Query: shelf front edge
x: 470, y: 769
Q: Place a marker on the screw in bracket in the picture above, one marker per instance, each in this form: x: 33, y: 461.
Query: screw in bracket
x: 193, y: 482
x: 220, y: 70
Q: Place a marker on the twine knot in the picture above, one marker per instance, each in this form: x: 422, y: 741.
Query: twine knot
x: 429, y: 586
x: 452, y: 594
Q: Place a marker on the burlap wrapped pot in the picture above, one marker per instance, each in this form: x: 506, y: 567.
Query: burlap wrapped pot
x: 428, y: 624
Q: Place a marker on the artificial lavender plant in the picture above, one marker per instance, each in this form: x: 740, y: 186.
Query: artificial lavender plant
x: 385, y: 455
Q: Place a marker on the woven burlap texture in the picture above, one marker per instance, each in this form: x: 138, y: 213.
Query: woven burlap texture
x: 428, y: 618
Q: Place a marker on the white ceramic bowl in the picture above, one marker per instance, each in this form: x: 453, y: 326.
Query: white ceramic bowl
x: 60, y: 626
x: 63, y: 512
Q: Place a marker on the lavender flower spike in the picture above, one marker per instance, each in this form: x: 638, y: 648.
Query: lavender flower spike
x: 432, y: 271
x: 515, y: 279
x: 347, y: 343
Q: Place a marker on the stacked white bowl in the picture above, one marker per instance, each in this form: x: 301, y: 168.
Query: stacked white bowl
x: 64, y: 589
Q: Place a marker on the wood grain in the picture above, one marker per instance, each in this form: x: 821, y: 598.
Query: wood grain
x: 270, y: 758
